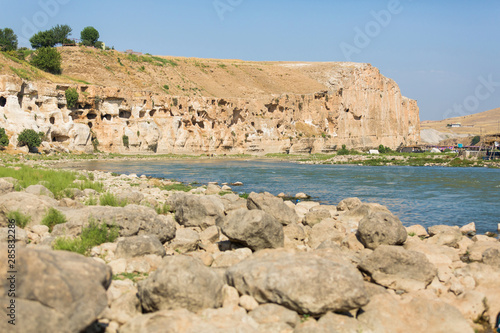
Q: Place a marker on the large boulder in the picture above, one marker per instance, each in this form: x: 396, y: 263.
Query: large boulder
x: 398, y: 269
x: 131, y: 220
x: 6, y: 186
x: 357, y: 213
x: 381, y: 228
x: 29, y: 204
x: 197, y: 211
x: 253, y: 228
x: 302, y: 282
x: 39, y: 190
x: 181, y: 282
x: 186, y: 240
x: 444, y: 235
x: 55, y: 291
x: 138, y: 246
x: 348, y: 204
x: 385, y: 314
x: 273, y: 206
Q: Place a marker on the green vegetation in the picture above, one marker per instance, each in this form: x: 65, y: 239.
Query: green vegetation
x: 30, y: 138
x: 177, y: 187
x: 244, y: 195
x: 109, y: 199
x: 475, y: 140
x: 21, y: 220
x: 21, y: 72
x: 130, y: 276
x: 47, y: 59
x: 71, y: 97
x: 343, y: 151
x: 89, y: 36
x: 4, y: 139
x: 8, y: 40
x: 91, y: 201
x: 49, y: 38
x: 384, y: 150
x: 125, y: 140
x: 93, y: 235
x: 52, y: 218
x: 163, y: 209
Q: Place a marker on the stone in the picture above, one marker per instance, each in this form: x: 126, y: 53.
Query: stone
x: 20, y: 235
x: 314, y: 217
x: 295, y: 231
x: 398, y: 269
x: 248, y: 303
x: 181, y: 282
x: 226, y: 188
x: 213, y: 189
x: 118, y: 265
x: 301, y: 195
x: 67, y: 295
x: 137, y: 265
x: 274, y: 313
x: 137, y: 246
x: 469, y: 229
x: 273, y: 206
x: 198, y: 211
x: 131, y: 220
x: 348, y: 204
x: 186, y: 240
x: 492, y: 257
x: 417, y: 230
x: 477, y: 249
x: 131, y: 197
x: 70, y: 203
x: 444, y: 235
x: 211, y: 234
x: 230, y: 296
x: 341, y: 323
x: 39, y: 190
x: 381, y: 228
x: 29, y: 204
x: 123, y: 309
x: 302, y: 282
x: 353, y: 216
x: 327, y: 230
x: 230, y: 258
x: 5, y: 186
x: 253, y: 228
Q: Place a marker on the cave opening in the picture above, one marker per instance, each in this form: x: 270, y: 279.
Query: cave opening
x: 3, y: 101
x: 52, y: 120
x: 125, y: 114
x: 107, y: 117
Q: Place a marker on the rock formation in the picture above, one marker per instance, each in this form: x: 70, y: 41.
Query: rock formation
x: 358, y: 107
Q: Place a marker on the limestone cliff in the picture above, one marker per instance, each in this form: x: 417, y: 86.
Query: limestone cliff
x: 356, y: 106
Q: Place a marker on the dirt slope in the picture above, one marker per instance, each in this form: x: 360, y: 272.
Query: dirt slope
x: 483, y: 123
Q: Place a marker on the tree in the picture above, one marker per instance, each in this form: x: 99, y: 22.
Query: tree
x: 71, y: 97
x: 47, y: 59
x: 8, y: 40
x: 4, y: 139
x: 61, y: 33
x: 89, y: 36
x: 43, y: 39
x: 30, y: 138
x: 475, y: 140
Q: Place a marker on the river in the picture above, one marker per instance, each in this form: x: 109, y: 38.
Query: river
x: 417, y: 195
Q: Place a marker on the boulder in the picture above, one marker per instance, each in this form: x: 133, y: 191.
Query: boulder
x: 477, y: 249
x: 385, y: 314
x: 39, y: 190
x: 314, y: 217
x: 302, y: 282
x: 492, y: 257
x: 230, y: 258
x: 5, y: 186
x: 273, y: 206
x: 131, y: 220
x: 444, y: 235
x: 131, y: 197
x: 57, y: 291
x: 327, y: 230
x: 348, y: 204
x: 353, y: 216
x: 381, y: 228
x: 137, y: 246
x: 398, y: 269
x: 6, y: 235
x: 417, y: 230
x: 181, y: 282
x: 253, y: 228
x: 274, y: 313
x: 186, y: 240
x: 197, y: 211
x: 29, y: 204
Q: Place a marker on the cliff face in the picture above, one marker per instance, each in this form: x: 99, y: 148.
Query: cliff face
x: 358, y: 107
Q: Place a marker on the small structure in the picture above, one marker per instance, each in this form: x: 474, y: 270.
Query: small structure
x: 374, y: 152
x: 410, y: 149
x: 455, y: 125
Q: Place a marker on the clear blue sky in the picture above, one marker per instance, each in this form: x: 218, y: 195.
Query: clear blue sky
x: 445, y: 53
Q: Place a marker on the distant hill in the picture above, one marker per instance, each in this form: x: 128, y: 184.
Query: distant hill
x: 483, y: 123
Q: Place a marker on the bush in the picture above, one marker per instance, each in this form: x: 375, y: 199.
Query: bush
x: 475, y: 140
x: 8, y: 40
x: 125, y: 140
x: 47, y: 59
x: 71, y: 97
x: 4, y: 139
x: 21, y: 220
x: 343, y: 151
x: 92, y: 235
x: 52, y: 218
x: 89, y: 36
x: 109, y: 199
x: 30, y: 138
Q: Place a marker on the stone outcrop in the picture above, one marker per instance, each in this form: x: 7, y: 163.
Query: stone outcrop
x: 358, y: 107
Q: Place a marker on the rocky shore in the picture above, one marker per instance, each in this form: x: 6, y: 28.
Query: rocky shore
x: 208, y: 260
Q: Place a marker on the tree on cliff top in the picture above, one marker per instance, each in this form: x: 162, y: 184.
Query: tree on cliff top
x: 8, y: 40
x: 47, y: 59
x: 49, y: 38
x: 89, y: 36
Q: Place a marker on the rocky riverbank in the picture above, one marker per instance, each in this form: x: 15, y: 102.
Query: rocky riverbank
x: 208, y: 260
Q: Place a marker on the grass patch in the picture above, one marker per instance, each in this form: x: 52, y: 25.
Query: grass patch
x: 177, y: 187
x: 93, y: 235
x: 21, y: 72
x: 222, y: 193
x: 244, y: 195
x: 163, y: 209
x: 21, y: 220
x: 130, y: 276
x: 52, y: 218
x: 109, y: 199
x: 91, y: 201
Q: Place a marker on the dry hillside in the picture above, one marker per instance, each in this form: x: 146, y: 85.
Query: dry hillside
x: 483, y: 123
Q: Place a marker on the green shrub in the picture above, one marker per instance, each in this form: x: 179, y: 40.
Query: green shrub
x: 91, y: 201
x: 30, y: 138
x: 47, y: 59
x: 475, y: 140
x: 21, y: 220
x: 52, y: 218
x: 125, y: 140
x: 343, y: 151
x: 163, y: 209
x: 8, y: 40
x: 71, y: 97
x: 93, y: 235
x: 109, y: 199
x: 89, y: 36
x: 177, y: 187
x: 4, y: 139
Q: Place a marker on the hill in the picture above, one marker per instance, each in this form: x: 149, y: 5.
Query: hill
x: 483, y: 123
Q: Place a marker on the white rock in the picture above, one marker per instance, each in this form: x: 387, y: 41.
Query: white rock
x: 469, y: 229
x: 40, y: 229
x: 118, y: 266
x: 248, y: 303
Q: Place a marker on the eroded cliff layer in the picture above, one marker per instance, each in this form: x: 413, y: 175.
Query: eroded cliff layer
x: 357, y: 106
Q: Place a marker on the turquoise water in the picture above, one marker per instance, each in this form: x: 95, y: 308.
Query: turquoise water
x: 418, y: 195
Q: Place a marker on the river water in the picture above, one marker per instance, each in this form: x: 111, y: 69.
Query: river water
x: 417, y: 195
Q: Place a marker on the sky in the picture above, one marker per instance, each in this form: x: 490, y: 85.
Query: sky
x: 445, y: 54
